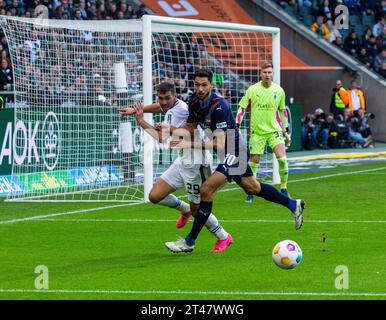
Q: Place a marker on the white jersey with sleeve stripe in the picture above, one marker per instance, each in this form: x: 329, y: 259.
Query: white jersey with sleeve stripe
x: 177, y: 117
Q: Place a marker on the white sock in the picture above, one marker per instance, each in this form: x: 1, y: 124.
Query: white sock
x: 214, y: 227
x: 172, y: 201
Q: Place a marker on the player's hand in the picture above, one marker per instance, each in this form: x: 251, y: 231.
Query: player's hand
x: 288, y: 138
x: 127, y: 111
x: 158, y: 126
x: 180, y: 144
x: 138, y: 107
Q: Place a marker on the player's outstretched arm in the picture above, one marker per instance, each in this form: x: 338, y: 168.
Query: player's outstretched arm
x: 150, y: 108
x: 156, y: 134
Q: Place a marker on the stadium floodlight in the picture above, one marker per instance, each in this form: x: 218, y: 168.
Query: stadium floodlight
x: 71, y: 78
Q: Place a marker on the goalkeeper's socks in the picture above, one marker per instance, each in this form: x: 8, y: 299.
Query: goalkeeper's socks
x: 172, y: 201
x: 255, y: 167
x: 200, y: 219
x: 283, y: 171
x: 214, y: 227
x: 272, y: 194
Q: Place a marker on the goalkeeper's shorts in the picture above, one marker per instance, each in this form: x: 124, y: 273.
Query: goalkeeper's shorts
x: 257, y: 142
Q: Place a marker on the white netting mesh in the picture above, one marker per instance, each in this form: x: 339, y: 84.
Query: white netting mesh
x: 70, y: 82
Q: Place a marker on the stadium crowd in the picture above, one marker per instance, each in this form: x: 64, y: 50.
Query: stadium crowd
x: 347, y: 124
x: 365, y: 39
x: 177, y: 57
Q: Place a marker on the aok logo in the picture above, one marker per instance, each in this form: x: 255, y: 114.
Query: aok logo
x: 178, y: 9
x: 27, y: 142
x: 51, y: 140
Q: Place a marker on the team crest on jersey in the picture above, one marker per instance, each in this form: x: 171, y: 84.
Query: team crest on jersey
x: 207, y: 122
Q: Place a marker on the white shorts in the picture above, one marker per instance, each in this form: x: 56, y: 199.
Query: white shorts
x: 177, y: 176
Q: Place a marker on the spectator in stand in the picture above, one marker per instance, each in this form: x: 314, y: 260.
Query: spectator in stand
x: 377, y: 28
x: 112, y: 10
x: 332, y: 141
x: 141, y: 11
x: 369, y: 7
x: 320, y: 28
x: 334, y: 31
x: 339, y: 99
x: 82, y: 9
x: 381, y: 39
x: 77, y: 15
x: 353, y: 134
x: 364, y: 58
x: 379, y: 60
x: 354, y: 6
x: 367, y: 33
x: 303, y: 3
x: 356, y: 98
x: 321, y: 129
x: 380, y: 10
x: 363, y: 123
x: 351, y: 43
x: 308, y: 132
x: 326, y: 10
x: 6, y: 77
x: 371, y: 47
x: 338, y: 42
x: 130, y: 11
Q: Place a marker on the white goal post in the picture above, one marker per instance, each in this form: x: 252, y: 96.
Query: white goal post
x: 72, y: 77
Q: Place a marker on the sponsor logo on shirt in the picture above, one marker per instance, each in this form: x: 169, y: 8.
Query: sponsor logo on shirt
x: 221, y: 125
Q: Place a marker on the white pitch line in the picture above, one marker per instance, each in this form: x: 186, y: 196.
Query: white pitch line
x: 132, y: 204
x: 224, y: 293
x: 222, y: 220
x: 64, y: 213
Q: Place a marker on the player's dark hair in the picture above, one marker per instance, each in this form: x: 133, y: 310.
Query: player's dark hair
x: 266, y: 65
x: 166, y: 86
x: 203, y: 73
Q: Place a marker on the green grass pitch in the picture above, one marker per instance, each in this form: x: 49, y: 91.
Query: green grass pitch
x: 118, y: 252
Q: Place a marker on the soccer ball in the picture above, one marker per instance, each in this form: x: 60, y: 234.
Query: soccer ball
x: 287, y: 254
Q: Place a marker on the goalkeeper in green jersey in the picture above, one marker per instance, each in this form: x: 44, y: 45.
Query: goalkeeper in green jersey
x: 265, y: 100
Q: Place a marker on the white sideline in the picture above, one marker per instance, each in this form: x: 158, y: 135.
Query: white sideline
x: 132, y: 204
x: 182, y: 292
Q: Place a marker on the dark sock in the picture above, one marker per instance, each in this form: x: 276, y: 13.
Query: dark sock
x: 272, y: 194
x: 202, y: 215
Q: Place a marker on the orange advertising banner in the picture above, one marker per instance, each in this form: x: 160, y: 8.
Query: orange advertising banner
x: 251, y: 50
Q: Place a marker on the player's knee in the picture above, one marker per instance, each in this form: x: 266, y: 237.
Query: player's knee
x: 252, y: 189
x: 154, y: 198
x: 206, y: 192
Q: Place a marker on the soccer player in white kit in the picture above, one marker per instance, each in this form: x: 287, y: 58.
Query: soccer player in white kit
x: 189, y: 170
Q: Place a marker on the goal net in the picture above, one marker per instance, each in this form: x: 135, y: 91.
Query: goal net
x: 71, y: 78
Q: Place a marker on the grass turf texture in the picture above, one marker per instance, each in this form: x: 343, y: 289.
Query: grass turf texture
x: 118, y: 253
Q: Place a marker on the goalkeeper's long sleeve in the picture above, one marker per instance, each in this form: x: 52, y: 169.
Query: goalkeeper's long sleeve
x: 240, y: 116
x: 283, y: 118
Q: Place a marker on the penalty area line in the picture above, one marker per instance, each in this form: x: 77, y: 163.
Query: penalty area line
x: 205, y: 293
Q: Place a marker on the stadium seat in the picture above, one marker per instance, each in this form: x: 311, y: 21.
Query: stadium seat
x: 308, y: 20
x: 368, y: 20
x: 354, y: 20
x: 290, y: 10
x: 304, y: 10
x: 344, y: 33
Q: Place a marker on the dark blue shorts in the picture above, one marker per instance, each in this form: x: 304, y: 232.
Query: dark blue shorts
x: 234, y: 168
